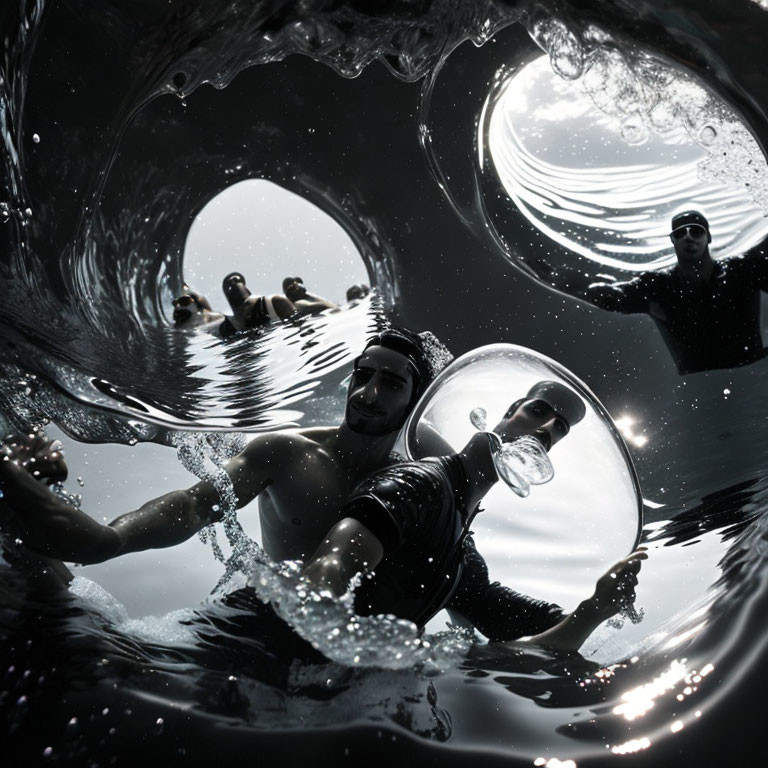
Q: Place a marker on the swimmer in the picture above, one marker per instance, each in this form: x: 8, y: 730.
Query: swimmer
x: 251, y: 311
x: 305, y: 303
x: 357, y: 292
x: 193, y: 310
x: 301, y: 476
x: 707, y: 311
x: 405, y: 527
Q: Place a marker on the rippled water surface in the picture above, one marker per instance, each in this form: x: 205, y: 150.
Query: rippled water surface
x: 461, y: 188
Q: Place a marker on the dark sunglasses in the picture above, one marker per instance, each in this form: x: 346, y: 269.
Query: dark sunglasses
x: 696, y: 230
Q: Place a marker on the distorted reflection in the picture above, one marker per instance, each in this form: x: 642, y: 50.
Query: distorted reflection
x: 600, y: 170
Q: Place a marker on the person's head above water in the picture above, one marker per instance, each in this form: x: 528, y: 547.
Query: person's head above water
x: 691, y: 238
x: 547, y: 412
x: 293, y: 288
x: 235, y: 289
x: 355, y: 292
x: 388, y: 379
x: 191, y: 309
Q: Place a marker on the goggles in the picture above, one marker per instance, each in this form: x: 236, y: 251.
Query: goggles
x: 696, y: 231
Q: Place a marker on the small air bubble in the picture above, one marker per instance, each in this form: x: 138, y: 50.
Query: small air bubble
x: 36, y: 138
x: 708, y: 135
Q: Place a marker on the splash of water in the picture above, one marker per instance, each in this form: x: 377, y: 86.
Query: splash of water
x: 331, y: 626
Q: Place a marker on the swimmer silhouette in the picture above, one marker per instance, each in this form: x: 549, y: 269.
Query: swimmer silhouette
x: 358, y: 291
x: 707, y: 311
x: 193, y: 310
x: 302, y: 478
x: 406, y: 526
x: 305, y: 303
x: 250, y: 311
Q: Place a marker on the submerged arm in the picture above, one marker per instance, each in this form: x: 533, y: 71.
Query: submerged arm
x: 498, y: 612
x: 48, y: 525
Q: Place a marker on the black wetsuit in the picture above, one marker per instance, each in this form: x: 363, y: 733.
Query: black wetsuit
x: 416, y: 509
x: 717, y: 326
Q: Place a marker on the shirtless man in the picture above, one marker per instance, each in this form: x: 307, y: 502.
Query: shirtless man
x: 302, y: 477
x: 305, y: 303
x: 193, y: 310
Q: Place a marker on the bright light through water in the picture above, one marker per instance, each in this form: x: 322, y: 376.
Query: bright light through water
x: 606, y: 185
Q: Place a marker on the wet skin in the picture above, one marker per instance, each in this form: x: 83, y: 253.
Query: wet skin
x: 190, y: 312
x: 305, y: 303
x: 302, y: 478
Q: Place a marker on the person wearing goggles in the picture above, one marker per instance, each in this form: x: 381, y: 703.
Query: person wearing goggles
x: 707, y: 311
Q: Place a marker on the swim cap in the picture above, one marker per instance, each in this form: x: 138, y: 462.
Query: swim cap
x: 288, y: 280
x: 426, y: 354
x: 564, y: 401
x: 686, y: 218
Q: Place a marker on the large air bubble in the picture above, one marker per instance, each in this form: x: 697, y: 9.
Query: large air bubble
x: 571, y: 165
x: 554, y: 544
x: 600, y: 164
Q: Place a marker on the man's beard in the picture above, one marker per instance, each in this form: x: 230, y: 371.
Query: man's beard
x: 372, y: 427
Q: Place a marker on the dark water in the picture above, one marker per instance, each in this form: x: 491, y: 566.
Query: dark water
x: 142, y: 114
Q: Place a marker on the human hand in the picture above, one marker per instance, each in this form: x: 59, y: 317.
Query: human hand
x: 616, y: 587
x: 36, y: 454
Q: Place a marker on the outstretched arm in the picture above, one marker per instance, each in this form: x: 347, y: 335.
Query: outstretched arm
x: 613, y: 588
x: 49, y: 526
x: 629, y: 297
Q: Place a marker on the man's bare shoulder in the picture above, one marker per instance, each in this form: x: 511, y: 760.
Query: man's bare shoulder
x: 282, y: 444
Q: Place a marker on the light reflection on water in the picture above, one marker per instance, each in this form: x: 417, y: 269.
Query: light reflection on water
x: 571, y: 170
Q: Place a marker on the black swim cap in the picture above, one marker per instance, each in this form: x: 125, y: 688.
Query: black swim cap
x: 288, y: 280
x: 424, y: 352
x: 564, y: 401
x: 686, y: 218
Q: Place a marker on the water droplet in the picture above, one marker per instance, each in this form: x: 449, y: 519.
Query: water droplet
x: 36, y: 138
x: 80, y: 481
x: 478, y: 418
x: 633, y: 131
x: 48, y: 751
x: 707, y: 135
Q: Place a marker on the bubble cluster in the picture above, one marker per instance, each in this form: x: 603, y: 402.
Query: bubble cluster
x: 646, y: 94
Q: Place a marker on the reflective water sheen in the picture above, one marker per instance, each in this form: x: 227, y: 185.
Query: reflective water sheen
x: 122, y: 121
